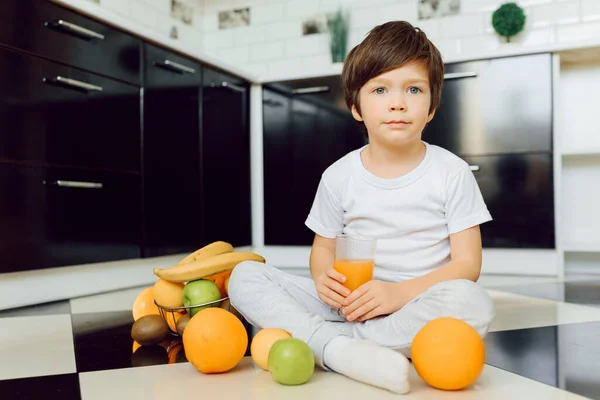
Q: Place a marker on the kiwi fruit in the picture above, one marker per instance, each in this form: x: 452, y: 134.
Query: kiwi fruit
x: 182, y: 323
x: 149, y: 330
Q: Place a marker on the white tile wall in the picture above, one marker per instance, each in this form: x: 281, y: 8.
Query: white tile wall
x: 274, y: 41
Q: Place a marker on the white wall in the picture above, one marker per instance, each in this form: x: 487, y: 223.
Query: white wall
x: 273, y: 46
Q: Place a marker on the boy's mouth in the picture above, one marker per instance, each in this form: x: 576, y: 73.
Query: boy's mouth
x: 397, y: 123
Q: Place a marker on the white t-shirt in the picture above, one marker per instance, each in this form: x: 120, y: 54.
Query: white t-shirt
x: 411, y: 217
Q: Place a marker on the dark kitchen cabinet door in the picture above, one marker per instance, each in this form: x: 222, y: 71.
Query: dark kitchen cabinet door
x: 226, y: 159
x: 51, y: 114
x: 301, y: 140
x: 172, y: 147
x: 56, y: 33
x: 496, y: 106
x: 518, y: 190
x: 55, y: 217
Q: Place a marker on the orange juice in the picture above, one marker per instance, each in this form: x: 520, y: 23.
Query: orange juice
x: 356, y: 272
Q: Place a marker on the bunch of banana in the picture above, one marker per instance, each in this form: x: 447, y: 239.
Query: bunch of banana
x: 212, y: 259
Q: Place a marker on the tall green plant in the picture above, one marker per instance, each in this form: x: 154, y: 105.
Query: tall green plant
x: 338, y: 24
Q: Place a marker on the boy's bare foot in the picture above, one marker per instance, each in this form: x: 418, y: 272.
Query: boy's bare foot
x: 368, y: 362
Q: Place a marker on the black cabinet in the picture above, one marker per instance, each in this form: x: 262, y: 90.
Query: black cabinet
x: 495, y: 106
x: 519, y: 192
x: 46, y: 29
x: 303, y: 135
x: 53, y: 114
x: 64, y: 216
x: 226, y: 159
x: 172, y: 147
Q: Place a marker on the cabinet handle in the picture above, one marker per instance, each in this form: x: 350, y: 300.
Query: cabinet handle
x: 474, y: 167
x: 310, y: 90
x: 74, y: 84
x: 459, y: 75
x: 231, y: 86
x: 72, y: 28
x: 76, y: 184
x: 172, y: 65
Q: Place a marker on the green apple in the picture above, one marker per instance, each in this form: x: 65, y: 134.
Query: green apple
x: 291, y: 362
x: 200, y: 291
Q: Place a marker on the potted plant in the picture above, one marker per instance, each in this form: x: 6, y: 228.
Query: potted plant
x: 338, y: 25
x: 508, y: 20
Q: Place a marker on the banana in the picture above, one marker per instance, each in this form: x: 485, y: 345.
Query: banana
x: 207, y: 251
x: 206, y: 267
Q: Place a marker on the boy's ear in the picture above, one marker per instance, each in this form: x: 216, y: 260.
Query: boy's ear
x: 356, y: 115
x: 430, y: 117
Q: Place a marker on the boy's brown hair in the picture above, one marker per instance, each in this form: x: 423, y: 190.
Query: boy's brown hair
x: 389, y: 46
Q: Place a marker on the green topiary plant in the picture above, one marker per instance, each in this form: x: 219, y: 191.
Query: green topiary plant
x: 508, y: 20
x: 338, y: 24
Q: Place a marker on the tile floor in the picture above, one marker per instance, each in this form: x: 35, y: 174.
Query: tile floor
x: 542, y: 345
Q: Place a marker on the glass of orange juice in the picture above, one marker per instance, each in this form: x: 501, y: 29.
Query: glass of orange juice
x: 355, y: 259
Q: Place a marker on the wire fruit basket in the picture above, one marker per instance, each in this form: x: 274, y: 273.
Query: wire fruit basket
x: 173, y: 314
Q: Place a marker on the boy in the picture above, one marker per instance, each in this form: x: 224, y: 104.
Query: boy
x: 419, y: 201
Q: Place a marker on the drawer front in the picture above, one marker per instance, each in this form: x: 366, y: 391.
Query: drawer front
x: 49, y: 115
x: 519, y: 192
x: 164, y: 69
x: 55, y: 217
x: 49, y: 30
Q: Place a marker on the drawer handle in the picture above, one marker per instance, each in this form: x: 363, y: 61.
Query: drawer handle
x: 79, y: 30
x: 74, y: 84
x: 172, y: 65
x: 311, y: 90
x: 76, y: 184
x: 459, y: 75
x: 474, y: 167
x: 230, y: 86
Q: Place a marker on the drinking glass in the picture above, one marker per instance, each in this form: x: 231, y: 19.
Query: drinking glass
x: 355, y: 259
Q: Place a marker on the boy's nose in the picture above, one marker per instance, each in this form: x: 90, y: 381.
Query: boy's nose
x: 397, y: 103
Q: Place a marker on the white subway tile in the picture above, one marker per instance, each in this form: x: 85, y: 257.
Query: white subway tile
x: 118, y: 6
x: 210, y: 22
x: 364, y: 17
x: 306, y: 45
x: 235, y: 55
x: 317, y: 63
x: 249, y: 3
x: 538, y: 37
x: 285, y: 29
x: 164, y: 24
x: 356, y: 36
x: 400, y: 12
x: 478, y: 44
x: 267, y: 51
x: 578, y: 32
x: 249, y: 35
x: 300, y: 9
x: 218, y: 39
x: 461, y: 26
x: 266, y: 13
x: 144, y: 14
x: 590, y: 10
x: 549, y: 14
x: 475, y: 6
x: 211, y: 6
x: 162, y: 6
x: 191, y: 37
x: 431, y: 27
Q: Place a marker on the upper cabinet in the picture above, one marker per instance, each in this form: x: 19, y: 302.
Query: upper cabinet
x: 495, y: 106
x: 43, y: 28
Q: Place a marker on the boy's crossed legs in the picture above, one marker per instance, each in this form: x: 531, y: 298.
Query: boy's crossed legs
x: 269, y: 297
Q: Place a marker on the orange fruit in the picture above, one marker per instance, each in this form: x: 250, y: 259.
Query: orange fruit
x: 173, y: 318
x: 448, y: 354
x: 168, y: 294
x: 227, y: 286
x: 144, y: 304
x: 214, y: 340
x: 219, y: 280
x: 262, y: 342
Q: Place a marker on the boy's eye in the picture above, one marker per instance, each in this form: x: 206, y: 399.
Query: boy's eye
x: 379, y: 90
x: 414, y: 90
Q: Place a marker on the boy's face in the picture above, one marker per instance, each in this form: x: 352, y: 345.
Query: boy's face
x: 395, y: 105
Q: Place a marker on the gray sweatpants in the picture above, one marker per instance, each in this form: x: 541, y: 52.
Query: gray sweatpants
x: 271, y: 298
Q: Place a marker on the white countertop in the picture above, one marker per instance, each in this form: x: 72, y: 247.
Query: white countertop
x: 96, y: 12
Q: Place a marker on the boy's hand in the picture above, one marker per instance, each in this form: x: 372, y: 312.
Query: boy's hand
x: 372, y: 299
x: 330, y: 289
